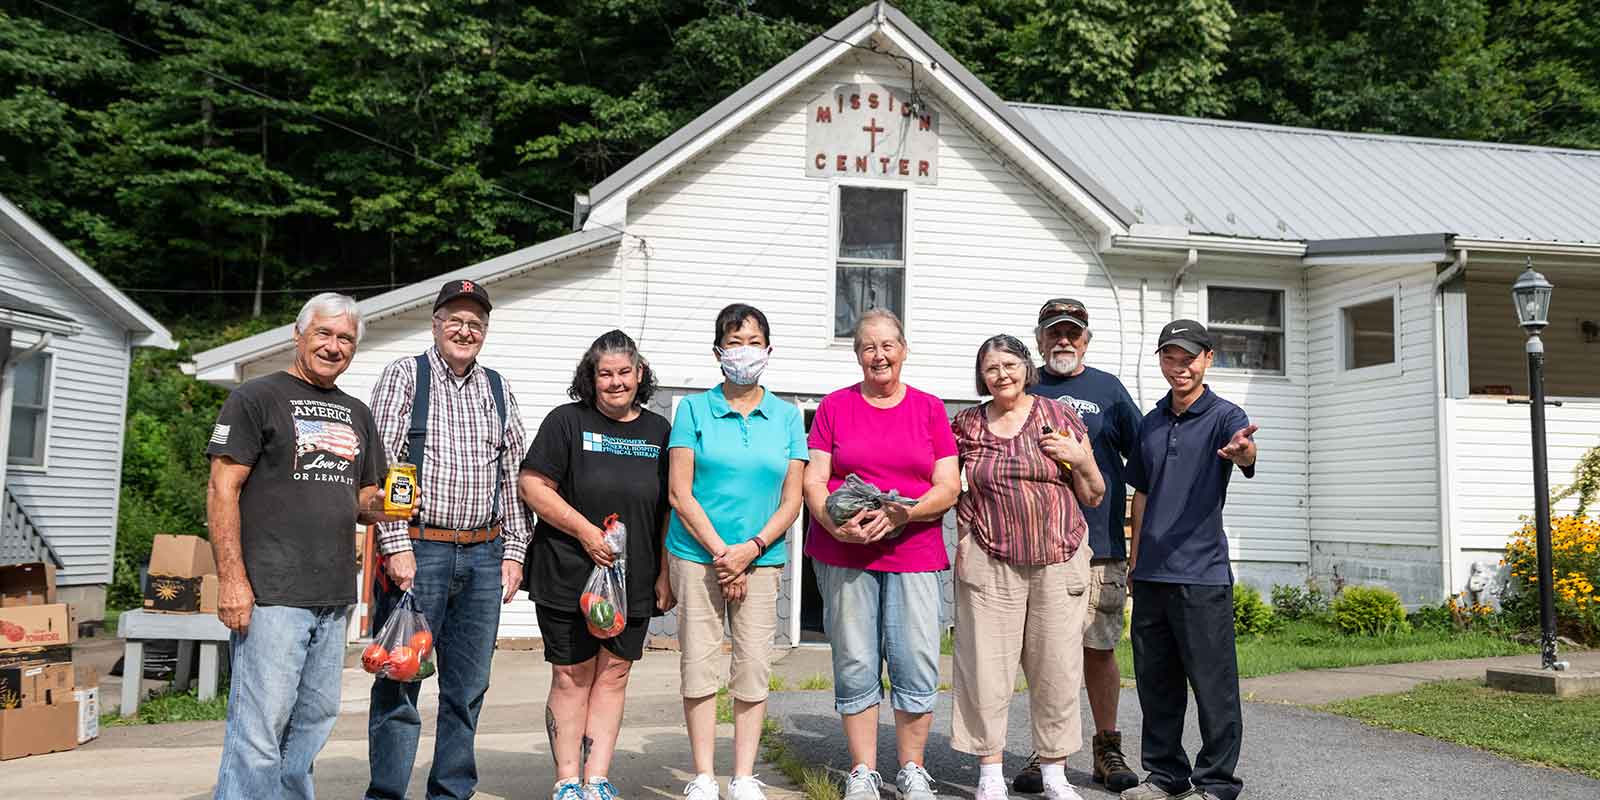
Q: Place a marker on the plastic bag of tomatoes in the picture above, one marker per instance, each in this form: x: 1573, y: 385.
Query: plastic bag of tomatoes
x: 403, y: 649
x: 604, y: 601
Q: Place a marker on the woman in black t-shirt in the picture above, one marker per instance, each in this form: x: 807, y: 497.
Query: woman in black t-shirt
x: 604, y: 454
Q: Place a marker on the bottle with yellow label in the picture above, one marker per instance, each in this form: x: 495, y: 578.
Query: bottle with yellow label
x: 400, y: 488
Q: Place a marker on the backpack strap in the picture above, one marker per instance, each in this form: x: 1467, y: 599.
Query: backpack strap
x: 417, y: 429
x: 497, y: 389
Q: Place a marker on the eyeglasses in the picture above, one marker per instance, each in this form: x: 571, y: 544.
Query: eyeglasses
x: 454, y: 325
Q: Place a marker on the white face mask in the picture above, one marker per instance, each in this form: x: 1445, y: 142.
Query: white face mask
x: 744, y: 364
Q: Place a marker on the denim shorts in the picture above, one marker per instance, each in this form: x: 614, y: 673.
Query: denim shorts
x: 876, y: 617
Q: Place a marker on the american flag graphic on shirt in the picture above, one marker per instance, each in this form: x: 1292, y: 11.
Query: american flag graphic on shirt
x: 334, y: 438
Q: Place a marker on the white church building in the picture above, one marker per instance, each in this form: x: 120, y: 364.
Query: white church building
x: 1358, y: 287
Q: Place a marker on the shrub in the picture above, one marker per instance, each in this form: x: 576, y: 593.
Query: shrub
x: 1574, y: 542
x: 1296, y: 603
x: 1251, y: 615
x: 1433, y: 618
x: 1369, y: 610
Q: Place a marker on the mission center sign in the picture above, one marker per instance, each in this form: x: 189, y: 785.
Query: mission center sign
x: 864, y: 130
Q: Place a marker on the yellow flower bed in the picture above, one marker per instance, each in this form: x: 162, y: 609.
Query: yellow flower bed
x: 1575, y: 558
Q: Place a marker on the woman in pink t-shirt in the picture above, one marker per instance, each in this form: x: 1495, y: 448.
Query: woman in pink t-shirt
x: 879, y: 571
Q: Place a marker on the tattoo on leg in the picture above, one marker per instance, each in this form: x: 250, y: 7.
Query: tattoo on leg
x: 583, y: 757
x: 550, y: 729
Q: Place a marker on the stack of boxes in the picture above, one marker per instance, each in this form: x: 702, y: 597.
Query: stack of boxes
x: 183, y: 576
x: 44, y: 706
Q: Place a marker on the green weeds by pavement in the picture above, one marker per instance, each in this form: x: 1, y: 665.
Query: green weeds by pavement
x: 724, y: 705
x: 814, y: 781
x: 816, y: 683
x: 1558, y: 732
x: 171, y: 707
x: 1304, y: 644
x: 947, y: 642
x: 776, y: 683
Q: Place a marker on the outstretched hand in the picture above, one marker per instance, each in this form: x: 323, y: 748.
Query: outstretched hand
x: 1241, y: 449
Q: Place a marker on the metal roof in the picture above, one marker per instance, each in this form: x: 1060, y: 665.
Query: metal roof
x: 1270, y: 182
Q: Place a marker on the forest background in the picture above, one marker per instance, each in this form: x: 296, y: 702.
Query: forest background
x: 222, y: 160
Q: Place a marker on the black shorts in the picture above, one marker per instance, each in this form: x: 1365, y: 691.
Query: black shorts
x: 567, y: 640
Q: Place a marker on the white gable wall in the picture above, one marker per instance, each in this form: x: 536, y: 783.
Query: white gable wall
x: 1374, y: 478
x: 73, y: 498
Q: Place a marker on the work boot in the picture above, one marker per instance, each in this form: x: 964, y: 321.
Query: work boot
x: 1110, y: 767
x: 1029, y: 780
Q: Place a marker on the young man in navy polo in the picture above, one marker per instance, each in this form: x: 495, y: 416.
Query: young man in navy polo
x: 1182, y: 626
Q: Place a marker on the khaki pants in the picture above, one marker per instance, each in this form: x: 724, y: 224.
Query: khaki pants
x: 1006, y: 614
x: 703, y: 615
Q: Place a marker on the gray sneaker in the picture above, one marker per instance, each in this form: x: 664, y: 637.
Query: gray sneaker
x: 1146, y: 791
x: 913, y: 783
x: 864, y: 783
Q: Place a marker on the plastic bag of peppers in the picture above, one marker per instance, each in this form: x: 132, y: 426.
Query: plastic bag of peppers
x: 604, y: 601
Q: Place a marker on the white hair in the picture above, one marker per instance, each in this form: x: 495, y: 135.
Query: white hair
x: 330, y: 304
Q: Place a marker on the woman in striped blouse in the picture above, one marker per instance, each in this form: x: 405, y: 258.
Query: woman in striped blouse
x: 1022, y: 567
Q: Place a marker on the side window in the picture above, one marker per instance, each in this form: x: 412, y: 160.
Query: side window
x: 1246, y: 327
x: 30, y: 406
x: 871, y: 266
x: 1368, y: 335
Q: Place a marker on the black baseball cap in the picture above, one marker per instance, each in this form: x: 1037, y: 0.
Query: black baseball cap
x: 454, y: 289
x: 1187, y: 334
x: 1063, y: 309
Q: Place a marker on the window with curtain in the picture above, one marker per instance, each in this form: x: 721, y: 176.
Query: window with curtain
x: 870, y: 272
x: 30, y: 405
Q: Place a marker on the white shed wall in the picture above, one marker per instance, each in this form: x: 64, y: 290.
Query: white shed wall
x: 73, y: 498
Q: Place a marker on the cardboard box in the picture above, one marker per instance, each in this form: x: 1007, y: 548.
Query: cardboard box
x: 27, y: 584
x: 32, y: 730
x: 37, y: 626
x: 179, y: 566
x: 35, y: 655
x: 88, y: 713
x: 34, y: 684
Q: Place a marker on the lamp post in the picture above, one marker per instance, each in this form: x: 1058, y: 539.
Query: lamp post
x: 1531, y: 294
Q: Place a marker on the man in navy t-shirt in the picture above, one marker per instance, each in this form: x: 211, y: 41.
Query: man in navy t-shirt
x: 1113, y: 420
x: 1182, y: 627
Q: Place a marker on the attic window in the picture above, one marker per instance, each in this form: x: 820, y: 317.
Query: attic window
x: 871, y: 267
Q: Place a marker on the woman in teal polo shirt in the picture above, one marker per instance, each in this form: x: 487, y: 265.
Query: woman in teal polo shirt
x: 736, y: 456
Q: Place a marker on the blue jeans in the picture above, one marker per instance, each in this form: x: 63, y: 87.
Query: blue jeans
x: 458, y: 589
x: 282, y: 700
x: 872, y: 617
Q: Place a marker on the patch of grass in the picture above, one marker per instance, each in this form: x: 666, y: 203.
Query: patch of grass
x: 1311, y: 645
x: 1535, y: 728
x: 109, y: 626
x: 947, y: 642
x: 814, y: 781
x: 776, y: 683
x: 724, y: 705
x: 816, y: 683
x: 172, y: 707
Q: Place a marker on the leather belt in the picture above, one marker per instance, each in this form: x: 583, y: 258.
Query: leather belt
x: 474, y: 536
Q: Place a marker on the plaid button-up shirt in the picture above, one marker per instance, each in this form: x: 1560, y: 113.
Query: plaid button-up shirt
x: 463, y: 457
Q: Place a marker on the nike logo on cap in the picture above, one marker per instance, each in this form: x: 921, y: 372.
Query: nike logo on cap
x: 1177, y: 330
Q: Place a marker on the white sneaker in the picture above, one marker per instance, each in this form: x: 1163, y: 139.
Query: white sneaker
x: 703, y: 787
x: 913, y: 783
x: 571, y: 789
x: 1060, y: 791
x: 864, y: 783
x: 746, y: 789
x: 991, y: 789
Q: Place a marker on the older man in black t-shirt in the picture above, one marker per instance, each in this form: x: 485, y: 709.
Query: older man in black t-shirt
x: 295, y: 463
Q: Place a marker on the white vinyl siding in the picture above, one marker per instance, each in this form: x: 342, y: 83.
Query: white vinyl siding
x: 72, y: 498
x: 1374, y: 475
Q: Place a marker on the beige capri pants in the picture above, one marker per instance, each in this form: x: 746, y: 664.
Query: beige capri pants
x: 1010, y: 613
x: 703, y: 615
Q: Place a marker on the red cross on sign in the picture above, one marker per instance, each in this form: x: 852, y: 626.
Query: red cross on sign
x: 873, y: 130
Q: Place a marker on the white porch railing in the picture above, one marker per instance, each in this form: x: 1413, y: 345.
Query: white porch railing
x: 20, y: 540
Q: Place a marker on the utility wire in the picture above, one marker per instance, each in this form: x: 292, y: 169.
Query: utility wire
x: 320, y: 118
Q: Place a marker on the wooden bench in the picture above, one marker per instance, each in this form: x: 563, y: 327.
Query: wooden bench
x: 189, y: 630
